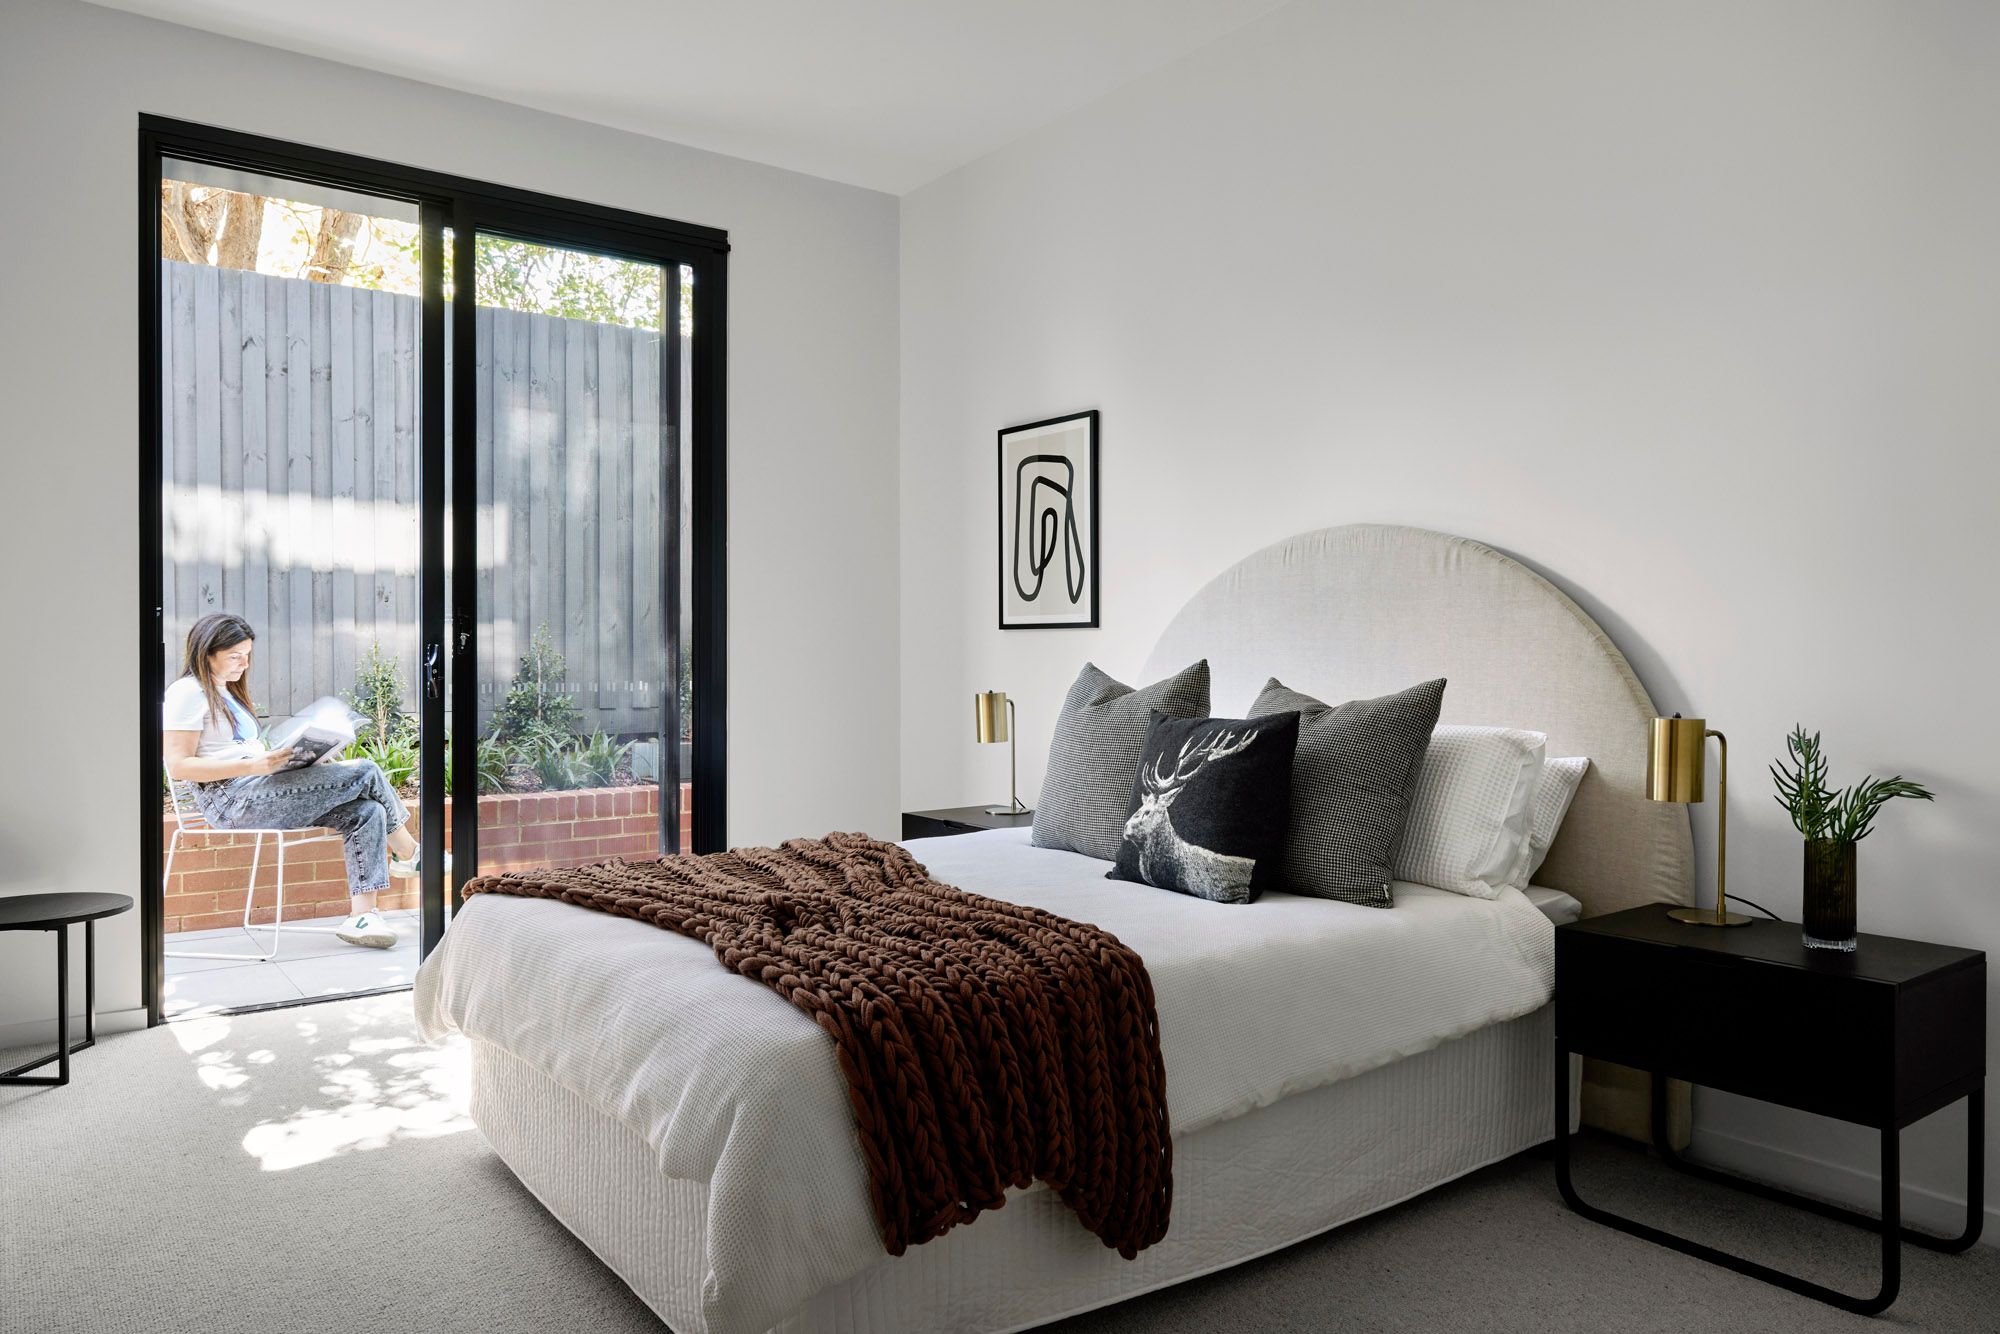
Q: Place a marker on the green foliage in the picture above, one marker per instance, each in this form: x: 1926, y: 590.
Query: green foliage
x: 537, y: 711
x: 552, y: 765
x: 1821, y: 812
x: 396, y: 757
x: 492, y: 762
x: 594, y: 760
x: 378, y: 697
x: 687, y: 692
x: 550, y: 280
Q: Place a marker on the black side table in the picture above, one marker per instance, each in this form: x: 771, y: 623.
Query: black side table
x: 960, y: 820
x: 57, y: 913
x: 1881, y: 1037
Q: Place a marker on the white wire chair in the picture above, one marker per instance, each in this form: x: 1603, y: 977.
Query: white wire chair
x: 189, y: 823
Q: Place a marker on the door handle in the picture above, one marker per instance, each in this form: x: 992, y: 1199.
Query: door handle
x: 433, y: 682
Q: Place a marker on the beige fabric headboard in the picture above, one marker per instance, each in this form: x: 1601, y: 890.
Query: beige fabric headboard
x: 1366, y: 609
x: 1363, y: 610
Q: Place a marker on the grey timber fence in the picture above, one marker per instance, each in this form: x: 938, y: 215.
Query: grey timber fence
x: 290, y: 489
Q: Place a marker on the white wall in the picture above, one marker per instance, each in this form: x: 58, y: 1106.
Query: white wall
x: 812, y: 451
x: 1691, y: 306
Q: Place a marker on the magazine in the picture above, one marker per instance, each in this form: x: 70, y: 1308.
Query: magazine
x: 321, y: 731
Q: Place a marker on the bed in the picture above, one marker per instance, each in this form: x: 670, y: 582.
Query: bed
x: 1324, y: 1060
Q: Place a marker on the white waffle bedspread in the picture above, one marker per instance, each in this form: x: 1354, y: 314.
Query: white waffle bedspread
x: 734, y: 1088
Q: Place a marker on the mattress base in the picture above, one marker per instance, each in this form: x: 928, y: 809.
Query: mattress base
x: 1243, y: 1188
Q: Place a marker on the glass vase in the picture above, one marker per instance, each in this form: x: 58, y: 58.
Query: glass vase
x: 1829, y: 894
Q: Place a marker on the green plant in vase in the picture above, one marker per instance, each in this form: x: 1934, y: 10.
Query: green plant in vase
x: 1833, y: 821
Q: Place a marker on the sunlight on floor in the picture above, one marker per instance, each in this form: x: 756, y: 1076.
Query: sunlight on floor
x: 378, y: 1083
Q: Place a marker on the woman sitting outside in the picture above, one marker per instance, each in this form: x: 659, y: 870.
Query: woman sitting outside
x: 212, y: 741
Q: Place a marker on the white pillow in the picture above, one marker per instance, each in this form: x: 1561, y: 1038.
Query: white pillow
x: 1470, y: 823
x: 1552, y: 798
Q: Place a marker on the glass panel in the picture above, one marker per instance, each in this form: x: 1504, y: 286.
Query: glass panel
x: 290, y: 424
x: 581, y: 585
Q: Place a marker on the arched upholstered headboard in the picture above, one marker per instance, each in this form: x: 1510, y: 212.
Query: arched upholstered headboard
x: 1366, y: 609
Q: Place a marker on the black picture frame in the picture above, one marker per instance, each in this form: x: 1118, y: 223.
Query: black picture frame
x: 1015, y: 482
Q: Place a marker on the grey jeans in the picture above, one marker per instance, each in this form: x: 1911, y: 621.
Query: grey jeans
x: 350, y: 797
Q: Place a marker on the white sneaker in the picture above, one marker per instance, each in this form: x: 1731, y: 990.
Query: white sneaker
x: 411, y: 869
x: 367, y: 928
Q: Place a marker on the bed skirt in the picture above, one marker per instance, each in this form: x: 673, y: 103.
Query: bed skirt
x: 1243, y: 1188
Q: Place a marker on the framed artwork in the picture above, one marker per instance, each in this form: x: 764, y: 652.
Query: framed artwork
x: 1048, y: 523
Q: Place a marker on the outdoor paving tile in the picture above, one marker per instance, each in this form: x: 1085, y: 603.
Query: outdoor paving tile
x: 356, y: 969
x: 182, y: 967
x: 226, y: 988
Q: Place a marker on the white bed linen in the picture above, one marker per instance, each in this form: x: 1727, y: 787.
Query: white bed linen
x: 733, y: 1088
x: 1242, y: 1188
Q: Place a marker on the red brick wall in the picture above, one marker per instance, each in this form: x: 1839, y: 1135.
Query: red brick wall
x: 211, y: 872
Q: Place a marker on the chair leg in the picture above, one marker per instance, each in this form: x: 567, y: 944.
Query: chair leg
x: 249, y: 897
x: 278, y: 913
x: 250, y: 891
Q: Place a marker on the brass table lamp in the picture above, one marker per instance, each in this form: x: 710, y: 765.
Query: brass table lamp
x: 1674, y: 773
x: 994, y: 714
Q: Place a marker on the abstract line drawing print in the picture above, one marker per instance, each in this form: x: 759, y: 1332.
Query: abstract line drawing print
x: 1045, y: 514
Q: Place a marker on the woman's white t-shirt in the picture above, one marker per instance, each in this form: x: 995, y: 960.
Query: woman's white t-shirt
x: 231, y: 737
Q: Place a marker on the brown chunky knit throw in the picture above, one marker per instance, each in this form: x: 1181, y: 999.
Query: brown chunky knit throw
x: 985, y: 1045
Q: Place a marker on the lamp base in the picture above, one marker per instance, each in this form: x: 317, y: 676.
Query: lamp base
x: 1006, y: 808
x: 1709, y: 917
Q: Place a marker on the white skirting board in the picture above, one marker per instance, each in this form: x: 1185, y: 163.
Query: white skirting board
x: 42, y: 1032
x: 1855, y: 1187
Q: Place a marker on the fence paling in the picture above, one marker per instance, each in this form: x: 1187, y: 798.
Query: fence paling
x: 290, y: 430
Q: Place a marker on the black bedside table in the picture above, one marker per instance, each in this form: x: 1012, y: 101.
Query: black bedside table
x: 57, y: 913
x: 960, y: 820
x: 1881, y: 1037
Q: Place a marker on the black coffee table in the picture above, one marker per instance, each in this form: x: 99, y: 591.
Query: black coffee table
x: 57, y: 913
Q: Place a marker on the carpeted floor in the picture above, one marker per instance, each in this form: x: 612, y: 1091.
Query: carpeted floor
x: 312, y: 1169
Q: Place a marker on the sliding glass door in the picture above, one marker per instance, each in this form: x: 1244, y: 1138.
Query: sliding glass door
x: 291, y: 341
x: 454, y: 452
x: 579, y: 477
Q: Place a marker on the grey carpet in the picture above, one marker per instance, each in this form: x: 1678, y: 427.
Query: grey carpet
x: 310, y: 1169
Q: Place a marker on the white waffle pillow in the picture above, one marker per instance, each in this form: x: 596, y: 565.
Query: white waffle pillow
x: 1470, y: 825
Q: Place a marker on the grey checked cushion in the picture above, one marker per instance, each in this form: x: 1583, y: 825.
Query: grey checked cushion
x: 1094, y: 755
x: 1353, y: 776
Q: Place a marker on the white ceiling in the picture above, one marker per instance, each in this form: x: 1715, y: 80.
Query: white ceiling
x: 887, y: 94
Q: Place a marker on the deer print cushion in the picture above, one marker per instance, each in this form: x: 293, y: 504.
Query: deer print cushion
x: 1094, y: 751
x: 1210, y: 806
x: 1353, y: 783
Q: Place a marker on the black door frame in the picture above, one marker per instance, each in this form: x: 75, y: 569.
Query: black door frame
x: 447, y: 618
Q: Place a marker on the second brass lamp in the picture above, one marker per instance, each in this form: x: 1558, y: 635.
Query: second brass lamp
x: 1674, y: 773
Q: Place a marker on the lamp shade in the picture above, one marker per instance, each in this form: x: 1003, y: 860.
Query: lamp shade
x: 990, y: 714
x: 1674, y: 759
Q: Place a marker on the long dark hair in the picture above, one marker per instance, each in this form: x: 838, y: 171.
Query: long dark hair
x: 213, y: 633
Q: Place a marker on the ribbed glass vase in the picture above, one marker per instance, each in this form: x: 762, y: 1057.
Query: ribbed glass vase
x: 1829, y: 894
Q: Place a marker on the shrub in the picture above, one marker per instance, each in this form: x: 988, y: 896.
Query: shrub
x: 378, y: 697
x: 594, y: 760
x: 537, y: 710
x: 395, y: 757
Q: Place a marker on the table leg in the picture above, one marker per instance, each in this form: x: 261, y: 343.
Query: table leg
x: 1889, y: 1227
x: 64, y: 1049
x: 62, y: 1004
x: 89, y: 984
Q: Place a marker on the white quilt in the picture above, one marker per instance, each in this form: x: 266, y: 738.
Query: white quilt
x: 734, y: 1088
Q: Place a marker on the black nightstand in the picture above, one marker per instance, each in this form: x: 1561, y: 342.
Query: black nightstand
x: 1881, y: 1037
x: 960, y: 820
